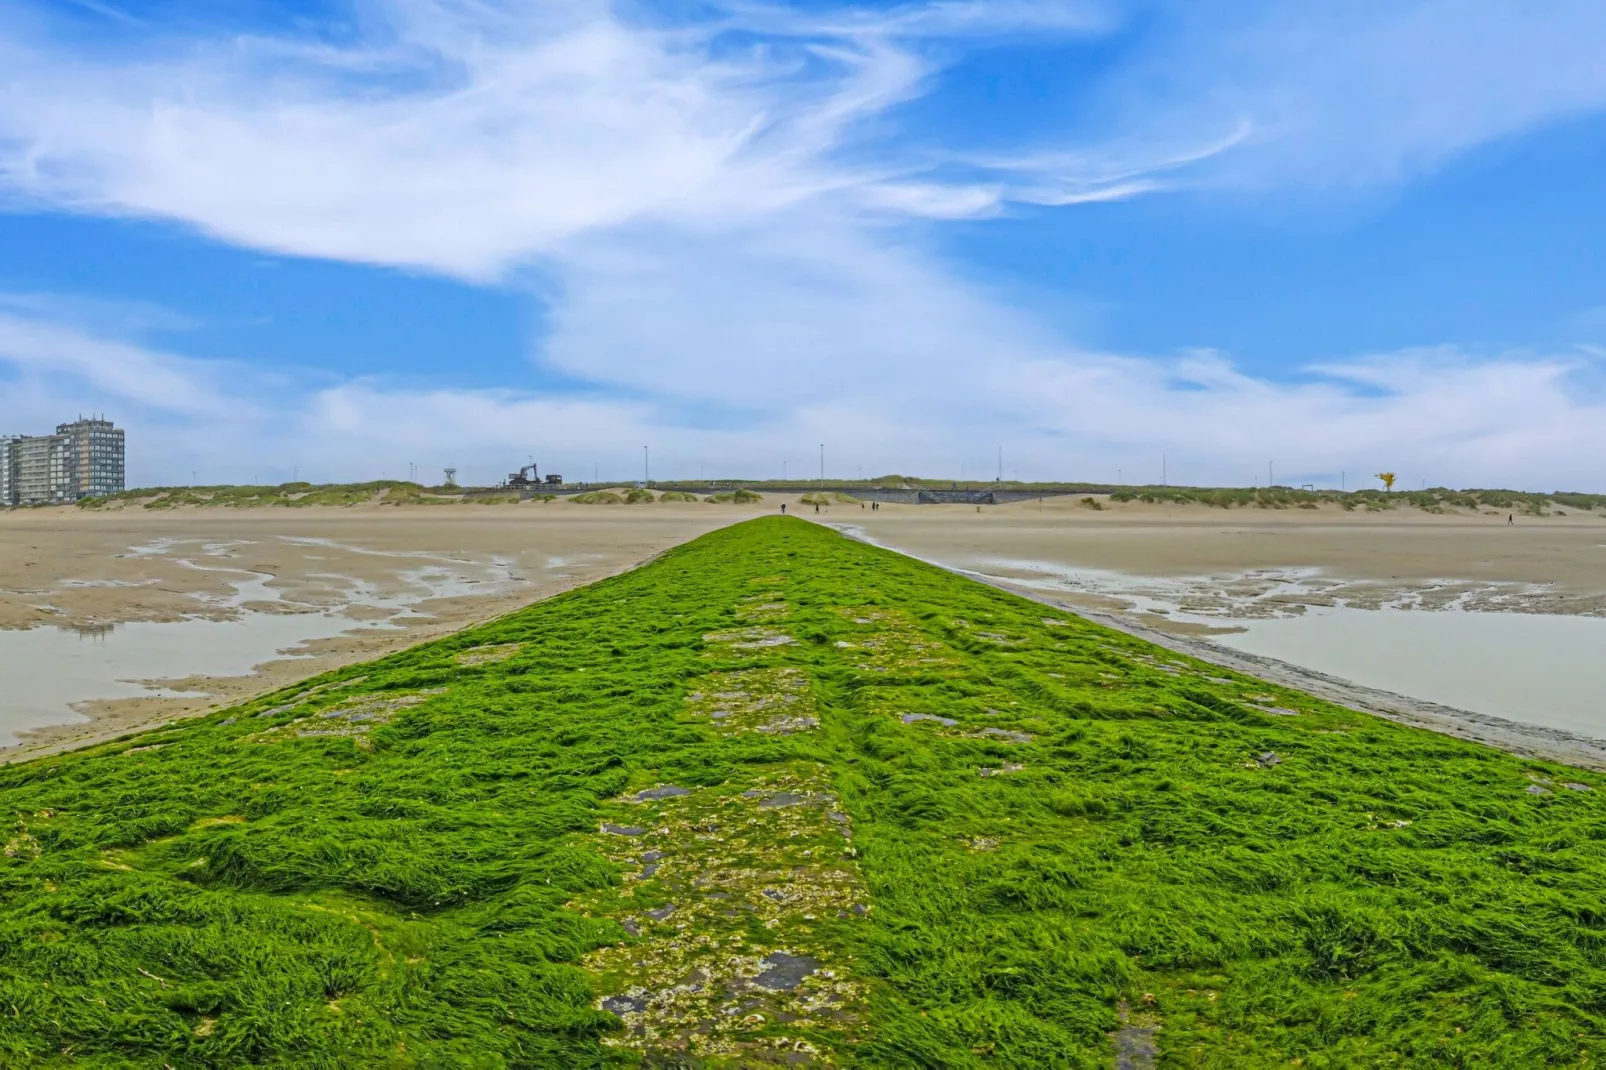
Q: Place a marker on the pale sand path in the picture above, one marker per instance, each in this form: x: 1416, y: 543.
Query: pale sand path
x: 73, y: 568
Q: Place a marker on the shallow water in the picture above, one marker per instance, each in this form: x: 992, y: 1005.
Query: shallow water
x: 1529, y: 667
x: 47, y: 671
x: 1533, y: 668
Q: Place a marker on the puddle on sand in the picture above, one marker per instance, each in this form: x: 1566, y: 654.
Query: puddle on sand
x: 1528, y: 667
x: 1532, y: 668
x: 49, y: 671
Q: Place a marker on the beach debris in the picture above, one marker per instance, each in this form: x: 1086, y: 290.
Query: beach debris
x: 1007, y: 767
x: 1269, y: 759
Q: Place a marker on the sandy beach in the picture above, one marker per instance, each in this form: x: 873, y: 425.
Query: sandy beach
x: 363, y: 580
x: 1228, y: 560
x: 1193, y: 578
x: 299, y: 591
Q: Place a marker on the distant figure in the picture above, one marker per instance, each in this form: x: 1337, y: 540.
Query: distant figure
x: 1511, y: 518
x: 783, y: 508
x: 816, y: 507
x: 861, y: 505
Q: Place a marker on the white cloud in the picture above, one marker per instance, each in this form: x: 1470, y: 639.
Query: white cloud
x: 1356, y: 93
x: 41, y: 349
x: 1441, y: 415
x: 467, y: 139
x: 737, y: 271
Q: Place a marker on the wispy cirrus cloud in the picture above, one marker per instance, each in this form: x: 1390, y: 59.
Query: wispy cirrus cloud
x: 468, y: 139
x: 726, y: 220
x: 1339, y: 94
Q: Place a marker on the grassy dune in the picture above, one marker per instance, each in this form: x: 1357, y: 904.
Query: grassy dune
x: 291, y: 495
x: 779, y: 796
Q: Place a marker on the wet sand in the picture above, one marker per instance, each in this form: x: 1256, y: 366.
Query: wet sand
x: 364, y: 580
x: 388, y: 577
x: 1192, y: 578
x: 1226, y: 561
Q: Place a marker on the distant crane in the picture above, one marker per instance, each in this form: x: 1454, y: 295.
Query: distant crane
x: 451, y: 477
x: 528, y: 477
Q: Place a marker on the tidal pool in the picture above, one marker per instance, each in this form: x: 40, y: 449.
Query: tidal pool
x: 1529, y: 667
x: 1533, y: 668
x: 49, y: 671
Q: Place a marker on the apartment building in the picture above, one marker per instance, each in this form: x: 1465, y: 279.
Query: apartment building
x: 7, y: 491
x: 82, y: 459
x: 95, y: 454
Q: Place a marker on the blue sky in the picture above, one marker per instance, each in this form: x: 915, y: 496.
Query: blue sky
x: 339, y: 239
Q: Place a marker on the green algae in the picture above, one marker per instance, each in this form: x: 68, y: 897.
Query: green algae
x: 934, y: 827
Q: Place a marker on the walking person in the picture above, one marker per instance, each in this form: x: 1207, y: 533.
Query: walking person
x: 783, y: 508
x: 1511, y: 519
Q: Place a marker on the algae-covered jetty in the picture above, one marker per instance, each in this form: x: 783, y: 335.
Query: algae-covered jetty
x: 779, y: 797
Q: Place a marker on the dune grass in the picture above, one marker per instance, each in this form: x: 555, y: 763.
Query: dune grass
x: 740, y: 496
x: 290, y: 495
x: 1431, y: 500
x: 782, y: 796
